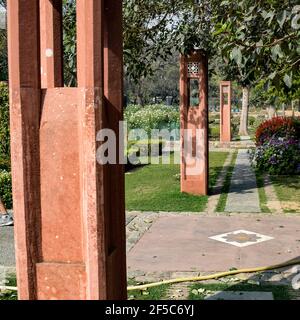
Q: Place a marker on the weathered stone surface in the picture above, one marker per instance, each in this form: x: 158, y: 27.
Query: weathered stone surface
x: 69, y: 210
x: 194, y: 125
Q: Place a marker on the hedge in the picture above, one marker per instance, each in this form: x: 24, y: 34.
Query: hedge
x: 5, y: 189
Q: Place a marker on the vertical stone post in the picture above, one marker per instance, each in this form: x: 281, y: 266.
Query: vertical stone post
x: 51, y: 43
x: 25, y: 112
x: 194, y: 123
x: 225, y: 111
x: 69, y: 209
x: 113, y: 114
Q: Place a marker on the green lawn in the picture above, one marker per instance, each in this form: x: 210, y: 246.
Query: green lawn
x: 263, y: 201
x: 10, y: 295
x: 157, y: 187
x: 225, y: 189
x: 288, y: 192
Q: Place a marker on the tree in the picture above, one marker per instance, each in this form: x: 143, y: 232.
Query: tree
x: 261, y: 38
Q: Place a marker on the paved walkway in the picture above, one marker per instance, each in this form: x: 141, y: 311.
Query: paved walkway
x: 243, y: 193
x: 7, y: 250
x: 177, y: 243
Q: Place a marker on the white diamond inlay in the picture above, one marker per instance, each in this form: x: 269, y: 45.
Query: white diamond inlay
x: 241, y: 238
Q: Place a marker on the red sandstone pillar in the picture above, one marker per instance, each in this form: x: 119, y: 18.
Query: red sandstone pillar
x: 113, y: 113
x: 194, y: 123
x: 25, y: 108
x: 51, y: 43
x: 225, y: 109
x: 69, y: 210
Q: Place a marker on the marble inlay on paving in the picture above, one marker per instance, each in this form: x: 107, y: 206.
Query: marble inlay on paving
x: 241, y: 238
x: 184, y: 243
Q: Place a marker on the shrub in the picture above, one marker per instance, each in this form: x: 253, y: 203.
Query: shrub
x: 278, y: 146
x: 4, y: 122
x: 278, y: 127
x: 6, y: 189
x: 5, y: 164
x: 214, y: 132
x: 144, y: 147
x: 277, y: 157
x: 152, y: 117
x: 252, y: 120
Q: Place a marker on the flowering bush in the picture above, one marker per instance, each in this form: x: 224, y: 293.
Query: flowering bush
x: 278, y: 146
x: 279, y: 156
x: 152, y: 117
x: 278, y: 127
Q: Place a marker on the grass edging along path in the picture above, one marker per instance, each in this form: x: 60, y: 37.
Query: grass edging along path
x: 156, y: 187
x: 156, y: 293
x: 288, y: 192
x: 263, y: 200
x: 280, y: 292
x: 225, y: 189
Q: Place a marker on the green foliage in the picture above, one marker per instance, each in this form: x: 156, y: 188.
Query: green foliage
x: 260, y: 38
x: 163, y: 83
x: 214, y: 132
x: 278, y: 127
x: 157, y: 187
x: 278, y: 147
x: 278, y: 158
x: 288, y: 192
x: 4, y: 125
x: 3, y: 56
x: 143, y: 149
x: 155, y: 29
x: 69, y: 41
x: 156, y: 293
x: 6, y: 189
x: 152, y: 117
x: 226, y: 186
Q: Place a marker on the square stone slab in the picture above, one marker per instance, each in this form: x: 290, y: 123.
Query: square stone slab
x: 241, y: 238
x: 182, y: 243
x: 240, y: 295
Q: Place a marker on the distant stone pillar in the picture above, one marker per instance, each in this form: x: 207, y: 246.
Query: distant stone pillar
x: 225, y: 111
x: 194, y: 123
x: 69, y: 210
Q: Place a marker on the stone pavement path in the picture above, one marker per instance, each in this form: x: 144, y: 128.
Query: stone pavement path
x: 243, y: 194
x: 7, y: 250
x: 198, y: 243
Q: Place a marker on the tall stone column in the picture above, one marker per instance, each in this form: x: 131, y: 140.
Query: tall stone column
x: 225, y: 110
x: 194, y: 123
x: 69, y: 209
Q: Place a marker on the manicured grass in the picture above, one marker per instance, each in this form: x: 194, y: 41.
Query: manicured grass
x: 10, y: 295
x: 288, y: 192
x: 225, y: 189
x: 262, y: 193
x: 280, y: 292
x: 156, y: 293
x: 157, y: 187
